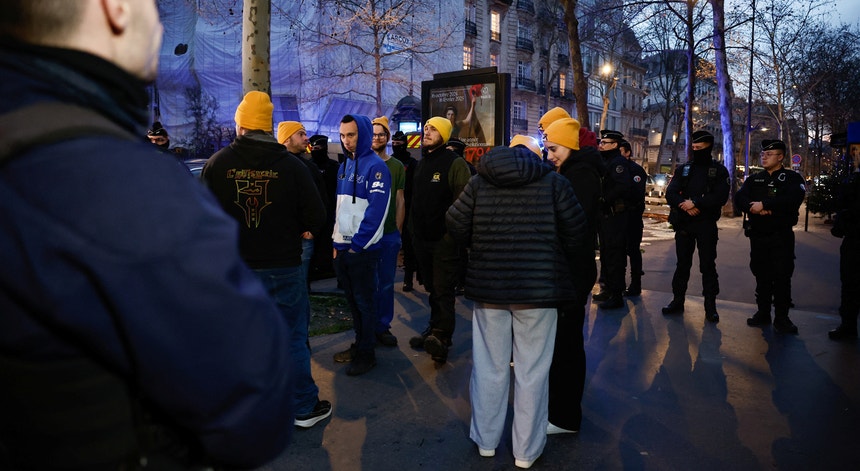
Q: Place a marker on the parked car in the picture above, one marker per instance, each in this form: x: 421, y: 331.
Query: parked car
x: 195, y: 166
x: 655, y: 188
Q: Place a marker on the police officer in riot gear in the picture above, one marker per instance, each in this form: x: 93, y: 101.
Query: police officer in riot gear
x: 771, y: 198
x: 618, y: 199
x: 696, y: 196
x: 635, y: 226
x: 847, y: 226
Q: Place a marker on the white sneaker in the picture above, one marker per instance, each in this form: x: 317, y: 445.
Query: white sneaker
x: 486, y: 453
x: 552, y: 429
x: 524, y: 464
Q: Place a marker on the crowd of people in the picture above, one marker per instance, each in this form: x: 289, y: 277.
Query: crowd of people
x: 124, y: 298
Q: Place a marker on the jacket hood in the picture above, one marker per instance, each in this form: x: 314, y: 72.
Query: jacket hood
x: 258, y: 147
x: 585, y: 156
x: 512, y: 166
x: 365, y: 134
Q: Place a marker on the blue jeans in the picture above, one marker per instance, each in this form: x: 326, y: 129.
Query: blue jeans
x: 307, y: 254
x: 357, y: 274
x: 385, y: 292
x: 287, y: 286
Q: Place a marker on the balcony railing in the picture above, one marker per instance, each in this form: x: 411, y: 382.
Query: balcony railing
x: 563, y: 60
x: 525, y: 44
x: 471, y: 28
x: 520, y: 123
x: 541, y: 89
x: 526, y: 5
x: 639, y: 132
x: 506, y: 2
x: 565, y: 93
x: 525, y: 84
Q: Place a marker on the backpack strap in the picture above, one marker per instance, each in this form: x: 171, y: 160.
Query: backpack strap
x: 48, y: 122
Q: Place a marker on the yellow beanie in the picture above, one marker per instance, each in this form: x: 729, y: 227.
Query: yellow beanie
x: 442, y: 125
x: 255, y: 112
x: 564, y: 132
x: 528, y: 141
x: 287, y: 128
x: 382, y: 121
x: 551, y: 116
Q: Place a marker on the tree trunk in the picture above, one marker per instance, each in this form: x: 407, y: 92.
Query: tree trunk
x: 724, y: 84
x: 691, y: 85
x: 256, y: 15
x: 580, y: 82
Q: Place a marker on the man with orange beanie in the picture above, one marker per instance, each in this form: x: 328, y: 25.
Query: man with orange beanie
x: 272, y: 196
x: 439, y: 178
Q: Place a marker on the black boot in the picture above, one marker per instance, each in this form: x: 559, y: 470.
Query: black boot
x: 761, y: 318
x: 436, y: 344
x: 614, y: 301
x: 783, y: 325
x: 418, y: 340
x: 711, y: 310
x: 635, y: 288
x: 844, y: 332
x: 676, y: 306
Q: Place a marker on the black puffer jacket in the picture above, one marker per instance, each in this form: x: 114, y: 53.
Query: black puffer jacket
x: 523, y: 224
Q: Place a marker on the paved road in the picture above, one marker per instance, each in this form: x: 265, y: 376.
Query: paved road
x: 662, y: 393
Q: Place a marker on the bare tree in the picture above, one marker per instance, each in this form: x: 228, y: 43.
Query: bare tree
x: 580, y: 81
x: 373, y: 41
x: 724, y: 85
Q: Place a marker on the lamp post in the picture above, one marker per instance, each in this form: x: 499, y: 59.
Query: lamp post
x: 608, y: 84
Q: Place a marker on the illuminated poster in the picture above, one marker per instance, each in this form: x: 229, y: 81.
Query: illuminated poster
x: 471, y: 110
x: 476, y: 102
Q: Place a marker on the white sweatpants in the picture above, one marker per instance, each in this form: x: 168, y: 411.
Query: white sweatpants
x: 531, y: 335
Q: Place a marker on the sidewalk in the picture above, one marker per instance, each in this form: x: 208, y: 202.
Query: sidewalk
x: 662, y: 393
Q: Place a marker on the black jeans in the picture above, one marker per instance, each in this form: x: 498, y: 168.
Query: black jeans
x: 567, y: 372
x: 438, y: 263
x: 613, y: 251
x: 849, y: 275
x: 701, y: 235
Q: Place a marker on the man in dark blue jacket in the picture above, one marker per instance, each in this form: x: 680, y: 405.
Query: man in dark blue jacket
x: 127, y: 313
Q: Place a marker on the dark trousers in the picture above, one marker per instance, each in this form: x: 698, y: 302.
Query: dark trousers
x: 613, y: 251
x: 438, y: 263
x: 701, y: 235
x: 849, y: 275
x: 635, y: 226
x: 567, y: 372
x: 410, y: 265
x: 772, y: 264
x: 357, y: 275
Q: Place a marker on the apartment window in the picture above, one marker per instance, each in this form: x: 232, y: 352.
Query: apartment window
x: 494, y: 60
x: 542, y: 76
x: 562, y: 83
x: 495, y: 26
x: 468, y: 57
x: 518, y: 111
x: 523, y: 30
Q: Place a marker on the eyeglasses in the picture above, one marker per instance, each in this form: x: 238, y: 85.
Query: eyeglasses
x: 379, y: 136
x: 607, y: 141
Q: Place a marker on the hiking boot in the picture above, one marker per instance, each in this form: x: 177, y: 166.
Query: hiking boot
x: 418, y: 340
x: 347, y: 355
x: 711, y: 311
x: 843, y: 332
x: 676, y: 306
x: 603, y: 295
x: 759, y: 319
x: 361, y: 364
x: 386, y: 338
x: 321, y: 410
x: 437, y: 346
x: 783, y: 325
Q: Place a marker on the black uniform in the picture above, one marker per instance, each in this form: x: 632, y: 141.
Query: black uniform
x: 706, y: 182
x: 847, y: 226
x: 771, y: 236
x: 619, y: 200
x: 635, y: 226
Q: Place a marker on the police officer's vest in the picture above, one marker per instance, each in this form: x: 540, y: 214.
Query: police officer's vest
x: 713, y: 168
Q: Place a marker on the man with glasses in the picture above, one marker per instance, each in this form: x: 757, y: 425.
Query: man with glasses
x: 618, y: 199
x: 390, y: 242
x: 772, y: 198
